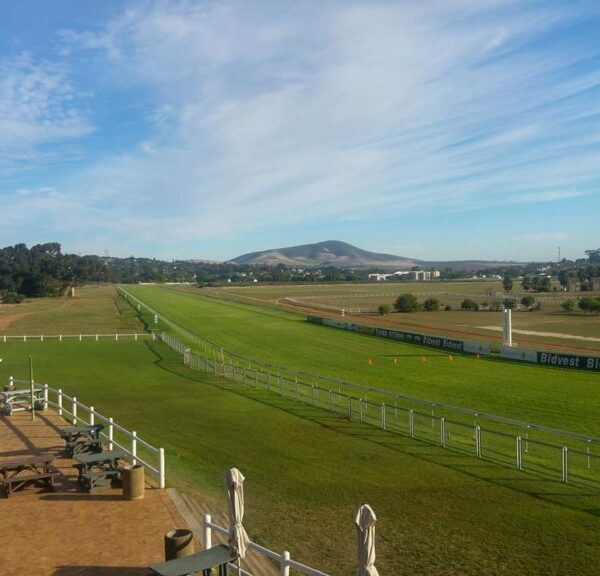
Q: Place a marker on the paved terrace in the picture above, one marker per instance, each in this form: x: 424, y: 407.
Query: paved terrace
x: 69, y: 532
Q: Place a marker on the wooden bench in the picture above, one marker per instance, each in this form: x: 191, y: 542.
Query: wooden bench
x: 99, y: 479
x: 76, y: 434
x: 15, y: 474
x: 84, y: 446
x: 215, y: 557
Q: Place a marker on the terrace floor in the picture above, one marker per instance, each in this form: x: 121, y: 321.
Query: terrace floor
x: 68, y: 532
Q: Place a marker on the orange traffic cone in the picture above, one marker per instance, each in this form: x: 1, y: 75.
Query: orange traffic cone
x: 370, y: 362
x: 423, y: 359
x: 477, y: 356
x: 450, y: 357
x: 395, y: 360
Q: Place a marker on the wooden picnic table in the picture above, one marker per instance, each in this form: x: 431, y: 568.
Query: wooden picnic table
x: 99, y: 471
x: 14, y: 474
x: 215, y: 557
x: 74, y: 433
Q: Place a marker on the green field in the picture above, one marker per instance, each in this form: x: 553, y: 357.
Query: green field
x: 553, y: 397
x: 439, y: 512
x: 549, y: 326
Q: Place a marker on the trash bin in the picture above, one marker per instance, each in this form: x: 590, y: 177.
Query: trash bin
x: 133, y: 482
x: 178, y: 542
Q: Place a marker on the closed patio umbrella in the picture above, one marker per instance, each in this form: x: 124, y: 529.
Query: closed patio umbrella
x: 365, y: 525
x: 238, y: 539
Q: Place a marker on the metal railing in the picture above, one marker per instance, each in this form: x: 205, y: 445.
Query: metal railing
x: 548, y: 452
x: 284, y: 559
x: 78, y: 413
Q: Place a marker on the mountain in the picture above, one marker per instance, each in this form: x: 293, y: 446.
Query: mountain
x: 329, y: 253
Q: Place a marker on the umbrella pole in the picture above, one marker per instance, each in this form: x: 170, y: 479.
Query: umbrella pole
x: 239, y: 567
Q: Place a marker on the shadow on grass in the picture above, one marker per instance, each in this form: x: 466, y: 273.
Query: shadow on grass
x: 541, y: 485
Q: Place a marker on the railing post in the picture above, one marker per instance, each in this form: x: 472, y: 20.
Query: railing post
x: 411, y: 423
x: 92, y: 415
x: 312, y: 386
x: 45, y: 396
x: 111, y: 432
x: 565, y: 464
x: 297, y: 392
x: 443, y: 432
x: 284, y: 569
x: 134, y: 447
x: 59, y: 401
x: 350, y: 408
x: 207, y: 532
x: 74, y: 411
x: 329, y: 399
x: 383, y: 415
x: 245, y: 378
x: 519, y: 453
x: 360, y: 410
x: 478, y: 440
x: 161, y: 468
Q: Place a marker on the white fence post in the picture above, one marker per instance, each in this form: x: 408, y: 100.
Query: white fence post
x: 565, y: 464
x: 284, y: 569
x: 411, y: 423
x: 207, y: 532
x: 519, y: 453
x: 161, y: 468
x: 92, y: 416
x: 478, y: 440
x: 443, y: 432
x: 45, y: 396
x: 111, y: 432
x: 74, y: 411
x: 383, y: 415
x: 134, y: 447
x: 60, y: 400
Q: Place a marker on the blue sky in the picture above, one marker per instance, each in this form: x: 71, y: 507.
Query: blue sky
x: 434, y: 129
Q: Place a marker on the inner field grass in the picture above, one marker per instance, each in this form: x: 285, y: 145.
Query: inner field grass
x: 438, y: 512
x: 550, y: 396
x: 93, y: 310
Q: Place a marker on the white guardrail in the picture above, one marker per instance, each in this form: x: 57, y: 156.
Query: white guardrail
x: 60, y: 337
x: 72, y: 410
x: 284, y: 559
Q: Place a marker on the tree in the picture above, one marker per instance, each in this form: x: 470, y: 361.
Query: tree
x: 507, y: 283
x: 526, y: 283
x: 528, y: 301
x: 384, y: 309
x: 589, y: 304
x: 468, y: 304
x: 406, y: 303
x: 431, y: 305
x: 509, y: 303
x: 568, y: 305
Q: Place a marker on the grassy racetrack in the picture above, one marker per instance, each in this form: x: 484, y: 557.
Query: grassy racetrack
x: 439, y: 512
x: 550, y: 396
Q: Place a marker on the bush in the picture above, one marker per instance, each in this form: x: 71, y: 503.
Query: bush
x: 528, y: 301
x: 13, y: 298
x: 431, y: 305
x: 568, y: 305
x: 485, y: 304
x: 468, y: 304
x: 384, y: 309
x: 447, y: 307
x: 509, y: 303
x: 589, y: 304
x: 406, y: 303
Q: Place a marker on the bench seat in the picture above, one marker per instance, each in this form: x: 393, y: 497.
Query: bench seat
x: 14, y: 483
x: 217, y: 556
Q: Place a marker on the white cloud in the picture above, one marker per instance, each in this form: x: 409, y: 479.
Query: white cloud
x: 290, y: 112
x: 36, y: 109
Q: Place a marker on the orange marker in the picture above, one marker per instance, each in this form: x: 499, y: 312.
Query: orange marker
x: 477, y: 356
x: 370, y: 361
x: 423, y: 359
x: 395, y: 360
x: 450, y: 357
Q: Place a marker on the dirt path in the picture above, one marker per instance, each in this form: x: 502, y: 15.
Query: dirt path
x: 544, y: 334
x: 6, y: 321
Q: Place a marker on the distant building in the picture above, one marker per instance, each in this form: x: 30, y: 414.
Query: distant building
x: 407, y: 275
x: 573, y: 285
x: 595, y: 283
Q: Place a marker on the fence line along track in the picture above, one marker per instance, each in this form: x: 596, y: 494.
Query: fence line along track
x: 445, y: 424
x: 548, y: 453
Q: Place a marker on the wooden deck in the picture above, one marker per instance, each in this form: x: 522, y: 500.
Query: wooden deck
x: 68, y: 532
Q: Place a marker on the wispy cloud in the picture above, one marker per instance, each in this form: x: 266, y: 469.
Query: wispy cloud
x: 291, y: 112
x: 36, y: 109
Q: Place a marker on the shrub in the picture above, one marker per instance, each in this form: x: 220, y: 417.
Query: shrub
x: 485, y: 304
x: 528, y: 301
x: 589, y: 304
x: 468, y: 304
x: 431, y: 305
x: 384, y: 309
x: 509, y: 303
x: 13, y: 298
x: 568, y: 305
x: 447, y: 307
x: 406, y: 303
